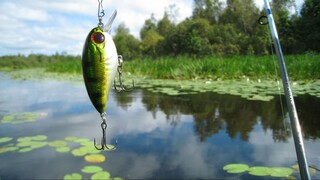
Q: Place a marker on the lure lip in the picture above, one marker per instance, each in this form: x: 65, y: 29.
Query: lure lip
x: 107, y: 27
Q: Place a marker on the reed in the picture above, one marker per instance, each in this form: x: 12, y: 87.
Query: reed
x: 238, y: 67
x: 300, y: 67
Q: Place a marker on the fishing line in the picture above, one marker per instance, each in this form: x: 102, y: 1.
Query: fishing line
x: 264, y: 21
x: 275, y: 65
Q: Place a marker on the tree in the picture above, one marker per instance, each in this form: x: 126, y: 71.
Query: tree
x: 309, y: 25
x: 127, y: 44
x: 207, y: 9
x: 243, y: 14
x: 165, y: 26
x: 149, y: 24
x: 191, y: 37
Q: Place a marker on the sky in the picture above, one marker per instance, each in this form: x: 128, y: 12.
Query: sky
x: 61, y: 26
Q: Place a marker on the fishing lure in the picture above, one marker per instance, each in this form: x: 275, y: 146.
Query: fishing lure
x: 99, y: 65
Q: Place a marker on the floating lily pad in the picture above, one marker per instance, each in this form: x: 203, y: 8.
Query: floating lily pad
x: 312, y: 171
x: 19, y: 118
x: 7, y: 119
x: 39, y: 138
x: 73, y: 176
x: 63, y: 149
x: 91, y: 169
x: 79, y: 152
x: 280, y: 171
x: 70, y: 138
x: 90, y: 149
x: 81, y: 140
x: 58, y: 143
x: 8, y: 149
x: 87, y: 143
x: 37, y: 145
x: 236, y: 168
x: 95, y: 158
x: 101, y: 175
x: 23, y: 150
x: 259, y: 171
x: 5, y: 139
x: 24, y: 144
x: 24, y: 139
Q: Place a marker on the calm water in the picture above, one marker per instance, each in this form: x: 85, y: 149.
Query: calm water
x: 160, y: 136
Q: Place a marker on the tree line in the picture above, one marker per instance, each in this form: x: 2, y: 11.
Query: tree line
x: 223, y: 30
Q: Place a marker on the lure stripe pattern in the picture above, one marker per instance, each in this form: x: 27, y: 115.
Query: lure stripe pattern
x: 96, y: 72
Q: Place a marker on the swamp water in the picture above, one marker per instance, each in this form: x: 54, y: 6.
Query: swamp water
x: 47, y: 130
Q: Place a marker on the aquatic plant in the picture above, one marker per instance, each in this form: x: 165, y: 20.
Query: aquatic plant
x: 278, y: 172
x: 84, y: 149
x: 23, y: 117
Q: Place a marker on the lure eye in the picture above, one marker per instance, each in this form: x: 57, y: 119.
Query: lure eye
x: 98, y: 38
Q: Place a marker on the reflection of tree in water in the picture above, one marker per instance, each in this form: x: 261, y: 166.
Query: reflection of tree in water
x: 168, y: 104
x: 308, y: 108
x: 213, y: 112
x: 124, y: 99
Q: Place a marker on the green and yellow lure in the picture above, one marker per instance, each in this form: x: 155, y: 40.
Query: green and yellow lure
x: 99, y: 66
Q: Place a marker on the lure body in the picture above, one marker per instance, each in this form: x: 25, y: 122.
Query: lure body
x: 99, y: 66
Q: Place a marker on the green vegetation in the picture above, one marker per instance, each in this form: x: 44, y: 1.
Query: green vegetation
x: 300, y: 67
x: 34, y: 61
x: 227, y: 29
x: 33, y: 143
x: 276, y: 172
x: 217, y: 42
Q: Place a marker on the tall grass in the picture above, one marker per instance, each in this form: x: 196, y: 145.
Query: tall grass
x: 300, y: 67
x: 262, y: 67
x: 66, y: 66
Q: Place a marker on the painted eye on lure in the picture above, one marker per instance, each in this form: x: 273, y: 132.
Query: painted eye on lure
x: 98, y: 38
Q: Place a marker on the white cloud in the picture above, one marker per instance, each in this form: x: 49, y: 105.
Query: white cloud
x: 46, y: 26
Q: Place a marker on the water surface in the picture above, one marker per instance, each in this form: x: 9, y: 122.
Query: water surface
x: 160, y: 136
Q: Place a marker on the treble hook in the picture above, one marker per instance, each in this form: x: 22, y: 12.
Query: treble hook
x: 122, y: 87
x: 104, y: 139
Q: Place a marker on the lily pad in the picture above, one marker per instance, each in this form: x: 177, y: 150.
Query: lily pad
x: 25, y: 144
x: 19, y: 118
x: 259, y: 171
x: 5, y: 139
x: 312, y: 171
x: 95, y: 158
x: 101, y: 175
x: 8, y: 149
x: 24, y: 139
x: 63, y: 149
x: 280, y: 171
x: 236, y: 168
x: 7, y: 119
x: 90, y: 149
x: 23, y: 150
x: 79, y: 152
x: 58, y: 143
x: 70, y: 138
x: 73, y: 176
x: 37, y: 145
x: 39, y: 138
x: 81, y: 140
x: 91, y: 169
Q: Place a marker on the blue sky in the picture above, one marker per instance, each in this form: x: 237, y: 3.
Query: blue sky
x: 50, y: 26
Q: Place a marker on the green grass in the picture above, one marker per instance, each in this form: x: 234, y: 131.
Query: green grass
x: 300, y: 67
x: 67, y: 66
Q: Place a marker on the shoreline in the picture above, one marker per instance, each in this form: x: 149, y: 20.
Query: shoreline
x: 262, y: 90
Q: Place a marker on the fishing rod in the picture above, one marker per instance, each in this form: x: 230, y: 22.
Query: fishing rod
x: 294, y: 121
